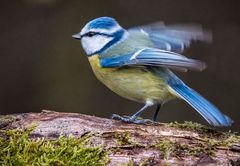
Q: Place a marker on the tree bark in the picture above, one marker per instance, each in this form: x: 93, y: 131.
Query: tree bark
x: 131, y: 144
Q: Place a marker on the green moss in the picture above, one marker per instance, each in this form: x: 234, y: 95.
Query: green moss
x: 207, y: 146
x: 192, y: 126
x: 147, y: 161
x: 167, y: 147
x: 200, y: 149
x: 123, y: 138
x: 211, y: 138
x: 212, y: 144
x: 230, y: 140
x: 174, y: 149
x: 16, y: 148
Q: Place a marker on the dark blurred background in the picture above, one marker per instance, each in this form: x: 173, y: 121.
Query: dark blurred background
x: 42, y: 67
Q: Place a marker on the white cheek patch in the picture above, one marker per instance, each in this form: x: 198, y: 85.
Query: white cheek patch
x: 95, y: 43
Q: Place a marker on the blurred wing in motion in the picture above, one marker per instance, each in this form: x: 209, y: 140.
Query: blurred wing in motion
x: 174, y: 38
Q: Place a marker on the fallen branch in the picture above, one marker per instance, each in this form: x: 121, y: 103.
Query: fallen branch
x: 116, y: 142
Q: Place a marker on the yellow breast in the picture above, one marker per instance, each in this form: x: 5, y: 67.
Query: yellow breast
x: 134, y: 83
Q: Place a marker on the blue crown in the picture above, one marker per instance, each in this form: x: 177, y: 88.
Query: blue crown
x: 102, y: 23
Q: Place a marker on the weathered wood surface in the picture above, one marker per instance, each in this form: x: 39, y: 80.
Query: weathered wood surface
x: 153, y: 144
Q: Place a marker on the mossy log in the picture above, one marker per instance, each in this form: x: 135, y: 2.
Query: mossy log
x: 111, y: 142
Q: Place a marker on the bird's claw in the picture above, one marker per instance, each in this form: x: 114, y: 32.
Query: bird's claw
x: 131, y: 119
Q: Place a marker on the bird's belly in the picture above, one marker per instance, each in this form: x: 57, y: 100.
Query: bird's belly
x: 134, y: 83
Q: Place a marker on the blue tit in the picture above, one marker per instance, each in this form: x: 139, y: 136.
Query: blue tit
x: 136, y: 64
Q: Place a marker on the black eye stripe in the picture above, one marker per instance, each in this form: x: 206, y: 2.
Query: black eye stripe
x: 91, y: 34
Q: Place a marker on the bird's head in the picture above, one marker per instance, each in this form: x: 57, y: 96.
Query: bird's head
x: 100, y: 34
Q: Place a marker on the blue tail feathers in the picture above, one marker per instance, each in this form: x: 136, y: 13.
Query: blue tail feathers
x: 209, y: 112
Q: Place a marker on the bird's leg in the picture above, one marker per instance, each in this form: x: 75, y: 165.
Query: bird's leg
x: 134, y: 117
x: 156, y: 112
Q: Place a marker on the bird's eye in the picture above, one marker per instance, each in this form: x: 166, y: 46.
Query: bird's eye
x: 90, y: 34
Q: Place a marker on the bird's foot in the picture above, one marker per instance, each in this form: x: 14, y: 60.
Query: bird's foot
x: 131, y: 119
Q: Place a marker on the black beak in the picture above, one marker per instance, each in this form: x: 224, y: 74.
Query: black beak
x: 77, y: 36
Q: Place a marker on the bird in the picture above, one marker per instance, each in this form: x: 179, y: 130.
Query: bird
x: 138, y: 63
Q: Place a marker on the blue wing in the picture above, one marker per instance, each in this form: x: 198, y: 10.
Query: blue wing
x: 174, y: 38
x: 153, y: 57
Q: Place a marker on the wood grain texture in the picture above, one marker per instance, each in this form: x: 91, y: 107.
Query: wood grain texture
x: 152, y: 144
